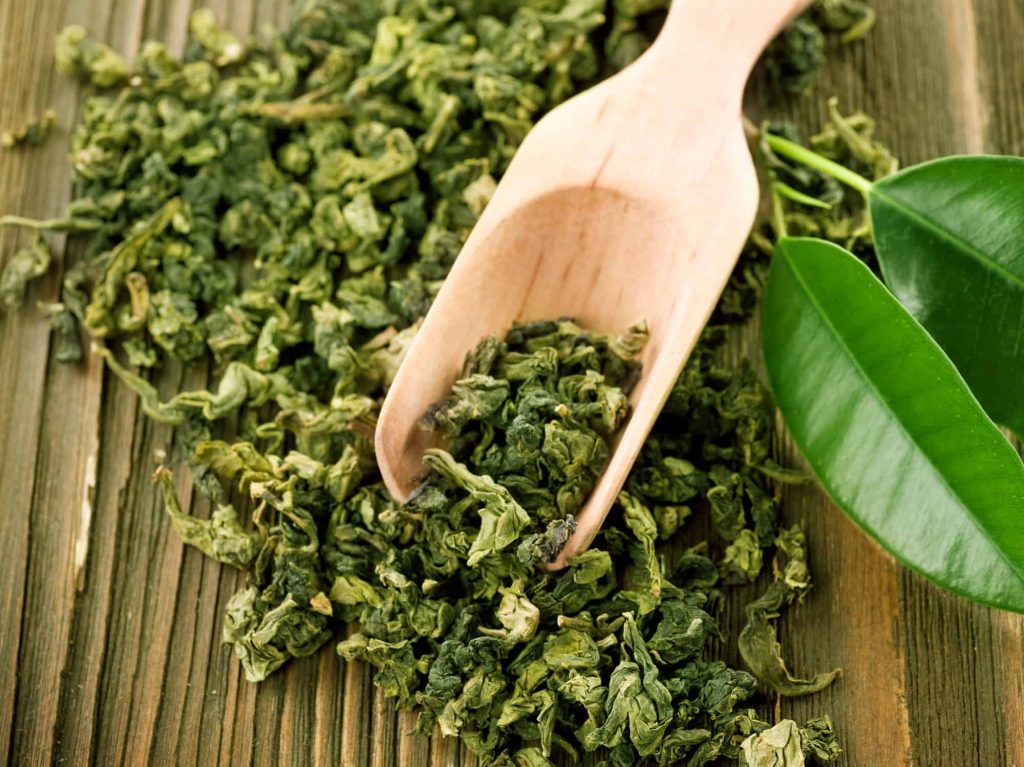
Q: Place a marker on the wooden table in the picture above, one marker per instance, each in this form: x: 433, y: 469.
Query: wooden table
x: 111, y: 653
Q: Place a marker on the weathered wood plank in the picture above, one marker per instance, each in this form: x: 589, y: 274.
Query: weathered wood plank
x: 60, y: 519
x: 999, y: 72
x: 357, y: 717
x: 47, y: 457
x: 385, y: 740
x: 1009, y: 671
x: 23, y: 352
x: 75, y: 739
x: 413, y: 749
x: 329, y: 710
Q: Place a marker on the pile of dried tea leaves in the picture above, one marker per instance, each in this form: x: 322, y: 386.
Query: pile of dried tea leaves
x: 288, y: 206
x: 611, y: 653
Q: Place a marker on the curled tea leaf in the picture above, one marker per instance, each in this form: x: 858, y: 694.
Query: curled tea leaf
x: 24, y: 266
x: 779, y: 746
x: 33, y: 132
x: 787, y: 745
x: 221, y: 537
x: 757, y: 642
x: 78, y: 56
x: 501, y: 518
x: 65, y: 329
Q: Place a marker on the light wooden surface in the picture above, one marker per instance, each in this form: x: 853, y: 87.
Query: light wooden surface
x: 630, y: 202
x: 111, y: 651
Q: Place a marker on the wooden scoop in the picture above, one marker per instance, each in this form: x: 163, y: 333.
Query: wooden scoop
x: 630, y: 201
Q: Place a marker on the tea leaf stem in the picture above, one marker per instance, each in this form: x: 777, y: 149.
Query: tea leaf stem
x: 814, y: 160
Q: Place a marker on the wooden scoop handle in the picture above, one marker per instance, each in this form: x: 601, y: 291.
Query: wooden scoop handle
x: 670, y: 129
x: 717, y: 37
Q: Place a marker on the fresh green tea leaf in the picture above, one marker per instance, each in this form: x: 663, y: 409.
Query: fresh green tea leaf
x: 950, y: 240
x: 890, y: 427
x: 947, y: 236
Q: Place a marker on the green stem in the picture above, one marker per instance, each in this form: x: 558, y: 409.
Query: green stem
x: 51, y: 224
x: 778, y: 214
x: 814, y: 160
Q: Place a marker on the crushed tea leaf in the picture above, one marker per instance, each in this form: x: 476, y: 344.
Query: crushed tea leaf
x: 34, y: 132
x: 787, y: 745
x: 25, y: 265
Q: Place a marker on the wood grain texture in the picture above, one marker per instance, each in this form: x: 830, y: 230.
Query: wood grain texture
x: 112, y: 651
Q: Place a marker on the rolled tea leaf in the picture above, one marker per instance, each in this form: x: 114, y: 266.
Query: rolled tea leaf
x: 890, y: 427
x: 757, y: 642
x: 221, y: 537
x: 24, y: 266
x: 787, y: 745
x: 779, y: 746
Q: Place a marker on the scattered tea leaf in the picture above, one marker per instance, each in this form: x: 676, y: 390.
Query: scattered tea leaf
x: 32, y: 133
x: 787, y: 745
x: 27, y: 264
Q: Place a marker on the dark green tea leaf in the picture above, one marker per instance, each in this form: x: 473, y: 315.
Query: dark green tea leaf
x: 890, y: 427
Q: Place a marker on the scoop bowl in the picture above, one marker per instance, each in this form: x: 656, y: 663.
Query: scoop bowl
x: 631, y: 201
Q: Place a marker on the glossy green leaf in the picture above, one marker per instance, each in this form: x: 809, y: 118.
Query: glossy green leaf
x: 950, y: 240
x: 889, y: 426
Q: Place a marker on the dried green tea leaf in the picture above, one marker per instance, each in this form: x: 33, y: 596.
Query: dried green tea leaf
x: 639, y: 705
x: 119, y: 264
x: 787, y: 745
x: 780, y: 746
x: 819, y: 741
x: 35, y: 131
x: 265, y: 638
x: 24, y: 266
x: 501, y: 518
x: 78, y: 56
x: 221, y: 537
x: 853, y: 18
x: 65, y: 330
x: 757, y: 642
x: 217, y: 43
x: 795, y: 57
